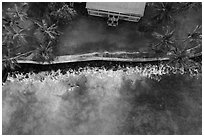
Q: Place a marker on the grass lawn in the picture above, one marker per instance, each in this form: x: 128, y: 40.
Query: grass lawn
x: 91, y: 34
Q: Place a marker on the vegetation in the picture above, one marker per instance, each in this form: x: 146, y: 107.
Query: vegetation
x: 61, y: 13
x: 14, y: 34
x: 18, y: 26
x: 179, y: 51
x: 45, y: 31
x: 146, y: 99
x: 164, y: 12
x: 21, y: 29
x: 166, y: 43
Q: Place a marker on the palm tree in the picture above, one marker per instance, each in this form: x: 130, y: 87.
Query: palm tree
x: 48, y: 39
x: 48, y: 31
x: 186, y: 6
x: 181, y: 56
x: 18, y: 12
x: 165, y: 42
x: 19, y: 36
x: 164, y: 12
x: 14, y: 35
x: 181, y: 59
x: 12, y: 39
x: 7, y: 65
x: 195, y: 35
x: 193, y: 39
x: 44, y: 52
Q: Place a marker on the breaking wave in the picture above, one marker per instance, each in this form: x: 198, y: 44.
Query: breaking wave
x: 98, y: 101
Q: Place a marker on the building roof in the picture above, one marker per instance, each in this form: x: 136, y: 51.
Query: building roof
x: 120, y: 7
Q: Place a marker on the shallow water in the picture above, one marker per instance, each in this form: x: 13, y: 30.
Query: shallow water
x: 102, y: 102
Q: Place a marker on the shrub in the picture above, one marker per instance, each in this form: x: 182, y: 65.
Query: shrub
x: 61, y: 13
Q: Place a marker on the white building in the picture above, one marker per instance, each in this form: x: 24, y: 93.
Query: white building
x: 129, y: 11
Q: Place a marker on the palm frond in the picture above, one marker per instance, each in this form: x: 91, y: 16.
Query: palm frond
x: 157, y: 35
x: 164, y: 12
x: 195, y: 35
x: 17, y: 12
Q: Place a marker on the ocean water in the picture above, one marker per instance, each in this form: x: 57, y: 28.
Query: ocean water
x: 104, y: 102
